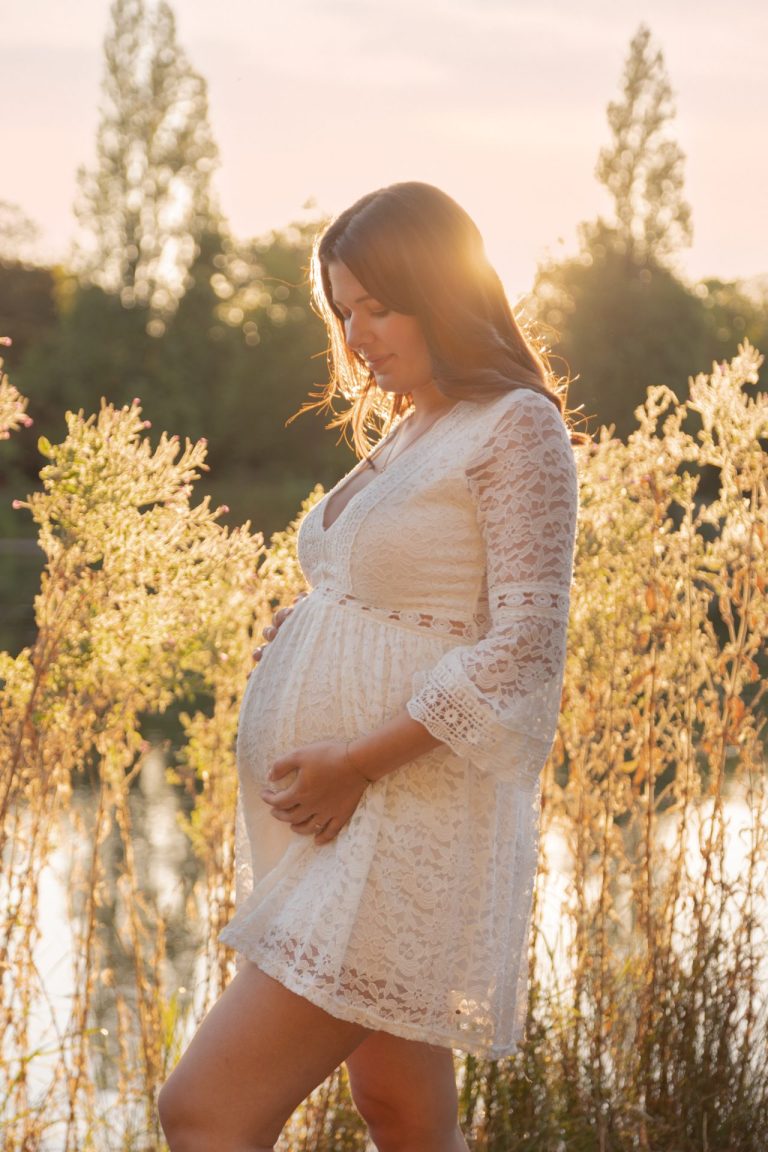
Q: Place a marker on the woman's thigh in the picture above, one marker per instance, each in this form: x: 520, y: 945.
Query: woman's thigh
x: 257, y: 1054
x: 406, y: 1092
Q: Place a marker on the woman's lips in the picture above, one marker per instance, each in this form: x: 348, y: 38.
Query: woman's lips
x: 377, y: 364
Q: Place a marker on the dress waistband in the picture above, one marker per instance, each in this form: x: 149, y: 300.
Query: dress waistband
x: 462, y: 629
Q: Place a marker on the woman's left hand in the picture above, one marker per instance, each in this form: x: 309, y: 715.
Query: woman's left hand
x: 323, y: 789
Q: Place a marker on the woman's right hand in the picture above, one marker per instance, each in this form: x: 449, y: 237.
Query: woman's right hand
x: 272, y: 629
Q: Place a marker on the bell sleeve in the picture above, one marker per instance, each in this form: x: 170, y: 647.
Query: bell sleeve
x: 496, y: 702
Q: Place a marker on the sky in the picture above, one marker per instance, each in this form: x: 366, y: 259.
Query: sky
x: 502, y: 103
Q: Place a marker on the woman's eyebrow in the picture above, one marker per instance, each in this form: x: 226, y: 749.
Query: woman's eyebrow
x: 359, y: 300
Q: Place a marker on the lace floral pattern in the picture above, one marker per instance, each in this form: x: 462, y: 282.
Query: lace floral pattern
x: 405, y: 618
x: 442, y: 586
x: 523, y: 482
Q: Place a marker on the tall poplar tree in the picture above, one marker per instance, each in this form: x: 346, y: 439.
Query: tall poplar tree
x: 619, y: 317
x: 642, y: 167
x: 147, y: 201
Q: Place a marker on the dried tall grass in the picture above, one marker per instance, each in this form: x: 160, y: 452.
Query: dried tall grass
x: 647, y: 1026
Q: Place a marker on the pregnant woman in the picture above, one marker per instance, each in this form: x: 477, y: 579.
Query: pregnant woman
x: 392, y: 737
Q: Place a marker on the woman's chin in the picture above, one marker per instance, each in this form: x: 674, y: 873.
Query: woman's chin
x: 388, y: 383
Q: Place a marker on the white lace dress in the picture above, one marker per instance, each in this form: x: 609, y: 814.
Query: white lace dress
x: 442, y: 586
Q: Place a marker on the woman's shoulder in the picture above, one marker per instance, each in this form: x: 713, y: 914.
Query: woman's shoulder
x: 522, y: 398
x: 522, y: 436
x: 518, y: 412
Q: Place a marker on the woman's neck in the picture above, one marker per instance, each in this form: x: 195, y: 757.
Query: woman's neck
x: 429, y: 402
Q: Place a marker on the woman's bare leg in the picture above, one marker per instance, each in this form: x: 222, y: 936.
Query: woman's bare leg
x: 258, y: 1053
x: 406, y: 1093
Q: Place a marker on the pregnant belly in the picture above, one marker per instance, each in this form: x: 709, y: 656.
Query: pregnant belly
x: 331, y: 673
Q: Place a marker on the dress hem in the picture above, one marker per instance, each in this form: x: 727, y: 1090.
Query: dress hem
x: 365, y: 1018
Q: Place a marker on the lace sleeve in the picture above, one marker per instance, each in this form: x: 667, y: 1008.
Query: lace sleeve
x: 496, y: 702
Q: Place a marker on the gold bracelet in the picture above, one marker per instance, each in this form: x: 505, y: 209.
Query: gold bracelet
x: 353, y: 765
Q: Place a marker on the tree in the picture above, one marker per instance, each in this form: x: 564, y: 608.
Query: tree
x: 27, y: 305
x: 621, y: 319
x: 643, y: 167
x: 148, y: 199
x: 18, y: 233
x: 619, y: 328
x: 242, y: 353
x: 29, y: 318
x: 735, y: 310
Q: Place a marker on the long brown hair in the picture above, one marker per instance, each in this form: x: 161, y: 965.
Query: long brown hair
x: 418, y: 252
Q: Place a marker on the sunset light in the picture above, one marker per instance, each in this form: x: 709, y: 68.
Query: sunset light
x: 383, y: 573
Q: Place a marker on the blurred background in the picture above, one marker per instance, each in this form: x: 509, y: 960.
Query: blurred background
x: 166, y: 168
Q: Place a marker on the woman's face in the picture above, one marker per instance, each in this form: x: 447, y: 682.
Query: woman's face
x: 391, y: 343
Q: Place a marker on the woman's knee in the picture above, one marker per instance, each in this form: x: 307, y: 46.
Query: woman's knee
x: 175, y: 1120
x: 168, y: 1107
x: 181, y: 1130
x: 257, y: 1054
x: 406, y: 1093
x: 188, y: 1128
x: 398, y: 1125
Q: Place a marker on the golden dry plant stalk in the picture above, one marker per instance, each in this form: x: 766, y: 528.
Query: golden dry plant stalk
x: 146, y: 602
x: 649, y: 961
x: 648, y: 1015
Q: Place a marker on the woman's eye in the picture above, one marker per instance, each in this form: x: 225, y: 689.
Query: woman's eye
x: 376, y: 312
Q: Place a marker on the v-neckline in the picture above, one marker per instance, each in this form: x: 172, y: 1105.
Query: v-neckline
x: 342, y: 483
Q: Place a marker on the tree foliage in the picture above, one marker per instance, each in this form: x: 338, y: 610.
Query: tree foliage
x: 237, y: 360
x: 28, y: 307
x: 642, y: 168
x: 18, y: 232
x: 147, y: 201
x: 616, y: 315
x: 617, y: 325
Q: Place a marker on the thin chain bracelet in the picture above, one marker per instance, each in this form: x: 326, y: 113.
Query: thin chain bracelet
x: 354, y: 766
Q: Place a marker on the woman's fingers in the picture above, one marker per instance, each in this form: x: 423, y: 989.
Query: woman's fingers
x: 282, y: 615
x: 307, y: 827
x: 323, y: 830
x: 272, y: 629
x: 289, y: 816
x: 270, y: 632
x: 329, y: 833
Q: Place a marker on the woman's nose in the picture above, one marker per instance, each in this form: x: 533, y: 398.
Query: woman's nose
x: 355, y: 332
